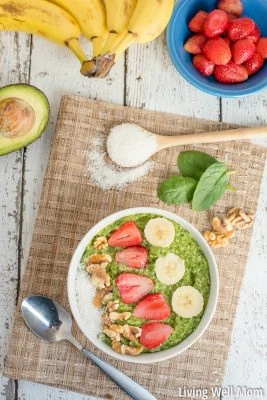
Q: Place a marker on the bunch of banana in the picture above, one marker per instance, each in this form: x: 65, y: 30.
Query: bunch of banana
x: 111, y: 25
x: 143, y: 22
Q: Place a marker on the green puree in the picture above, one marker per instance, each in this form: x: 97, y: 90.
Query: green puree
x: 196, y: 274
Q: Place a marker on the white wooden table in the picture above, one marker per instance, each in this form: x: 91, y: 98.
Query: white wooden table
x: 145, y: 77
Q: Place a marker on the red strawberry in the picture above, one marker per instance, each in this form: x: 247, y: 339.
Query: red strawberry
x: 154, y: 334
x: 126, y: 235
x: 203, y: 65
x: 243, y: 50
x: 154, y: 307
x: 215, y: 23
x: 218, y: 51
x: 231, y: 6
x: 196, y: 23
x: 133, y: 287
x: 255, y: 34
x: 195, y: 44
x: 240, y: 28
x: 262, y: 47
x: 231, y: 73
x: 253, y: 64
x: 134, y: 257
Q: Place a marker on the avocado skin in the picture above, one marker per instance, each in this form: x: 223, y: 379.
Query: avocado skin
x: 39, y: 102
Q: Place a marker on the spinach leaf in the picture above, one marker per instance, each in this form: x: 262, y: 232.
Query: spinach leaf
x: 194, y: 163
x: 211, y: 186
x: 177, y: 190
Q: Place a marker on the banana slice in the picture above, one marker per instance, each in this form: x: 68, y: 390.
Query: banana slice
x: 169, y: 269
x: 187, y: 301
x: 159, y: 232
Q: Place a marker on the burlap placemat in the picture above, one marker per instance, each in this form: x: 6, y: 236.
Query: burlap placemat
x: 71, y: 204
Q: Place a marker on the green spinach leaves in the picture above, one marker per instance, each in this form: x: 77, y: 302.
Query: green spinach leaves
x: 203, y: 181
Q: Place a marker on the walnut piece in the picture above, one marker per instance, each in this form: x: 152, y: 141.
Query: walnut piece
x: 240, y: 219
x: 100, y: 278
x: 217, y: 240
x: 99, y: 258
x: 102, y: 296
x: 100, y: 243
x: 113, y: 332
x: 113, y: 305
x: 221, y: 225
x: 115, y: 316
x: 123, y: 349
x: 131, y: 332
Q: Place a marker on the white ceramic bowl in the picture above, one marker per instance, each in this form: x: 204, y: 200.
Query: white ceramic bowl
x: 81, y: 292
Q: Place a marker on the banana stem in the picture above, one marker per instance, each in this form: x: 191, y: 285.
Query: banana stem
x: 75, y: 46
x: 98, y: 44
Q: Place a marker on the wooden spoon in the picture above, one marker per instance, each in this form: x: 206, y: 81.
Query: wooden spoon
x: 129, y: 145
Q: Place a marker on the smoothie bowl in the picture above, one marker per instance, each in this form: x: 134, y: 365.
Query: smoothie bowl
x: 143, y: 285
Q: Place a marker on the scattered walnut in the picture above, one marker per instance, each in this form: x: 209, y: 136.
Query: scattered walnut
x: 221, y: 225
x: 100, y: 243
x: 240, y: 219
x: 102, y: 296
x: 218, y: 240
x: 114, y: 332
x: 100, y: 278
x: 115, y: 316
x: 99, y: 258
x: 131, y: 332
x: 123, y: 349
x: 113, y: 305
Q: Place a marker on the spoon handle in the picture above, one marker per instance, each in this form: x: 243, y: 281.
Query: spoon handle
x: 211, y: 137
x: 132, y: 388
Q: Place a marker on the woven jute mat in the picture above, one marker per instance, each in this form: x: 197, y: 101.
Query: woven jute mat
x: 71, y: 204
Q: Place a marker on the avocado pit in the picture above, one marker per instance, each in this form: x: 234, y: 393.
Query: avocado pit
x: 17, y: 117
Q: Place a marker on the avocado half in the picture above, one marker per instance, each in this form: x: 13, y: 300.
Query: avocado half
x: 24, y: 115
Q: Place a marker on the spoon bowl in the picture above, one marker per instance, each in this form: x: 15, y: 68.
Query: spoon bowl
x: 46, y: 318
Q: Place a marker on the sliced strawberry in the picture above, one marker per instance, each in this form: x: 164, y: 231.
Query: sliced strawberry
x: 154, y: 334
x: 240, y: 28
x: 255, y: 34
x: 230, y: 73
x: 134, y: 256
x: 126, y: 235
x: 195, y: 44
x: 218, y: 51
x: 196, y: 23
x: 203, y: 65
x: 215, y: 23
x: 254, y: 64
x: 234, y: 7
x: 243, y: 50
x: 154, y: 307
x: 133, y: 287
x: 262, y: 47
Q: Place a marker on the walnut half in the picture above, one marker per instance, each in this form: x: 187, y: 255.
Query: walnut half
x: 100, y: 278
x: 240, y: 219
x: 100, y: 243
x: 113, y: 332
x: 123, y: 349
x: 217, y: 240
x: 131, y: 333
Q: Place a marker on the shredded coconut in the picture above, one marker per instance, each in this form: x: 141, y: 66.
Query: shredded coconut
x: 129, y: 145
x: 105, y: 174
x: 85, y: 292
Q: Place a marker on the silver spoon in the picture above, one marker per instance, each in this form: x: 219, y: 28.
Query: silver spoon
x: 51, y: 322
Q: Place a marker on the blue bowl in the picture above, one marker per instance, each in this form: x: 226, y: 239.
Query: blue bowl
x: 178, y: 32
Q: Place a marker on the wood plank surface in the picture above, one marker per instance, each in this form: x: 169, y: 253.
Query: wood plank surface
x: 146, y: 78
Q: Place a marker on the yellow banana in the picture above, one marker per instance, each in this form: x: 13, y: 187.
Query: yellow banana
x: 149, y: 19
x: 90, y: 16
x: 44, y: 19
x: 119, y: 13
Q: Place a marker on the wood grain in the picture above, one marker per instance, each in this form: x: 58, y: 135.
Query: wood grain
x: 14, y: 66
